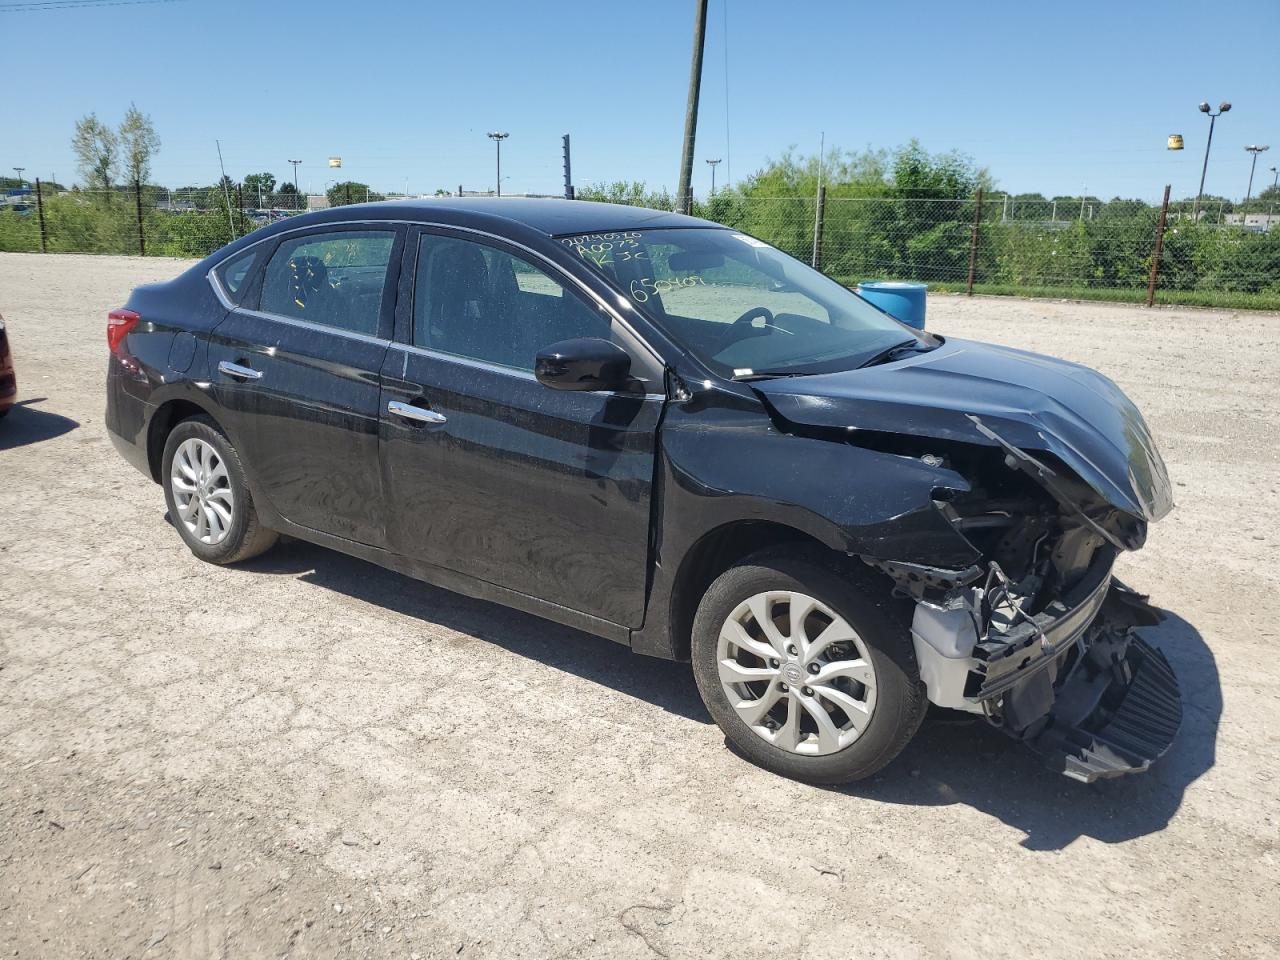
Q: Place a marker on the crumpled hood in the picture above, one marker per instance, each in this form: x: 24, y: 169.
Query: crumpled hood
x: 1033, y: 402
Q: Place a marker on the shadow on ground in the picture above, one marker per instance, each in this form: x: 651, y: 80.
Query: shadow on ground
x: 951, y: 760
x: 26, y: 424
x: 660, y: 682
x: 974, y: 764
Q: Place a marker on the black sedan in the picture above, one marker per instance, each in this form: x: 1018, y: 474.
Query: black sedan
x: 670, y: 434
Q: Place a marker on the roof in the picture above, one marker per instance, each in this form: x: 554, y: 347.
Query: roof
x: 505, y: 216
x: 551, y: 217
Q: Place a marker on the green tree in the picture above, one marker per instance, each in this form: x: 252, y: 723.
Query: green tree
x: 139, y: 142
x: 918, y: 174
x: 289, y: 197
x: 632, y: 193
x: 349, y: 191
x: 97, y: 151
x: 260, y: 185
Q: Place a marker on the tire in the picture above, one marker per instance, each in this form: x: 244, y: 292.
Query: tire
x: 230, y: 530
x: 880, y: 636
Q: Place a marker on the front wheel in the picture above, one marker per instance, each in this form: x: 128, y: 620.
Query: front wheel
x: 207, y: 494
x: 807, y: 672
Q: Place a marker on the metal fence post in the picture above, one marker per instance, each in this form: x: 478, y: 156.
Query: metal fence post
x: 244, y: 228
x: 1155, y: 259
x: 44, y: 246
x: 819, y: 218
x: 973, y: 242
x: 137, y: 206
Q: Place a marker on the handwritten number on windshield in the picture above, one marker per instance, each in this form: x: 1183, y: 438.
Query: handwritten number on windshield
x: 644, y: 288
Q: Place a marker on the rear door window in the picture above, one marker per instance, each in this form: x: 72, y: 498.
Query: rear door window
x: 337, y: 279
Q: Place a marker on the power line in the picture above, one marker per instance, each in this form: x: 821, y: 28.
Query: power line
x: 43, y: 6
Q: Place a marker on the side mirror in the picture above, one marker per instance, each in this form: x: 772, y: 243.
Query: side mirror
x: 586, y: 363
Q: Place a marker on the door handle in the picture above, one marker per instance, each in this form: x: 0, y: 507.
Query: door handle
x: 417, y: 414
x: 239, y: 372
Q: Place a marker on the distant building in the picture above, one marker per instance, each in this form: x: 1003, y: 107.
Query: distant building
x: 1254, y: 222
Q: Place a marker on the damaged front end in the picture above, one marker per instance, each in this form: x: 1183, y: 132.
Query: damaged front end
x: 1037, y: 637
x: 1060, y: 474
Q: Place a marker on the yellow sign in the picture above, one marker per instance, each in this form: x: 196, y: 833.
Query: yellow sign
x: 1175, y: 141
x: 335, y: 161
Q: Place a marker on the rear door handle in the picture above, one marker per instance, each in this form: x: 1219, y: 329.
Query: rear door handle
x: 417, y: 414
x: 239, y: 372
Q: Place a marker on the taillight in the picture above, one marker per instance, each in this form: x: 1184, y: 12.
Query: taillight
x: 119, y: 323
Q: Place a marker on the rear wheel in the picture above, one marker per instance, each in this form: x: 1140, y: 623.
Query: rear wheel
x: 807, y: 671
x: 208, y: 498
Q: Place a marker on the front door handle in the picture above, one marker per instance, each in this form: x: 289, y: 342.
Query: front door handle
x: 239, y: 372
x: 417, y: 414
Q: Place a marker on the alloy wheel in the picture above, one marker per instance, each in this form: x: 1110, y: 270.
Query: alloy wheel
x: 796, y: 673
x: 202, y: 491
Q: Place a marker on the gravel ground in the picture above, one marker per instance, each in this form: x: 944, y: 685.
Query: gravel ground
x: 310, y: 756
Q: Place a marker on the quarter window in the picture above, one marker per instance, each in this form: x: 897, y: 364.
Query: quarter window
x: 336, y: 279
x: 479, y: 302
x: 234, y: 274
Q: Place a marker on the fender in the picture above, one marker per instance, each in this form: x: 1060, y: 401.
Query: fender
x: 723, y: 461
x: 195, y: 392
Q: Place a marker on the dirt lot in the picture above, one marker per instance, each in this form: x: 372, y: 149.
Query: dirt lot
x: 310, y: 756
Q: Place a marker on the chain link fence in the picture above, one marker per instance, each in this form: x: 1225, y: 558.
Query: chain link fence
x: 1083, y: 249
x: 139, y: 220
x: 1086, y: 249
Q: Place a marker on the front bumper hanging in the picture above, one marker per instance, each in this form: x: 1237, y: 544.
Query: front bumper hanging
x: 1093, y: 698
x: 1116, y: 714
x: 1072, y: 681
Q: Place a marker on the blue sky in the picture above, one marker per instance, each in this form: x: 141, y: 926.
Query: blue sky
x: 1054, y: 97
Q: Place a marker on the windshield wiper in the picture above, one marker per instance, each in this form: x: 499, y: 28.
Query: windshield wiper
x: 896, y: 352
x: 764, y: 375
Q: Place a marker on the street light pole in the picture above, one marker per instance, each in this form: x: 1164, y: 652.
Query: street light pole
x: 297, y: 196
x: 497, y: 138
x: 1213, y: 117
x: 1255, y: 150
x: 712, y: 165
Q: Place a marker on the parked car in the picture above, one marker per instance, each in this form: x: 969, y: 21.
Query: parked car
x: 670, y: 434
x: 8, y: 379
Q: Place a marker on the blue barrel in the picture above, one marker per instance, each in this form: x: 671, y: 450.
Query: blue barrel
x: 902, y: 301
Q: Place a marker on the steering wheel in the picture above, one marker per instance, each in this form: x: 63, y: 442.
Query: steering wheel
x: 733, y: 334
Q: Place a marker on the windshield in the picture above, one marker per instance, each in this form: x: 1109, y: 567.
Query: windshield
x: 741, y: 306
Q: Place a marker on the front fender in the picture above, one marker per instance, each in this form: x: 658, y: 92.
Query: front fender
x: 725, y: 465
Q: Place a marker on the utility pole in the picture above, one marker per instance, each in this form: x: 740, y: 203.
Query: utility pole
x: 297, y: 197
x: 568, y: 175
x: 684, y: 198
x: 226, y: 191
x: 497, y: 139
x: 712, y: 165
x: 18, y: 171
